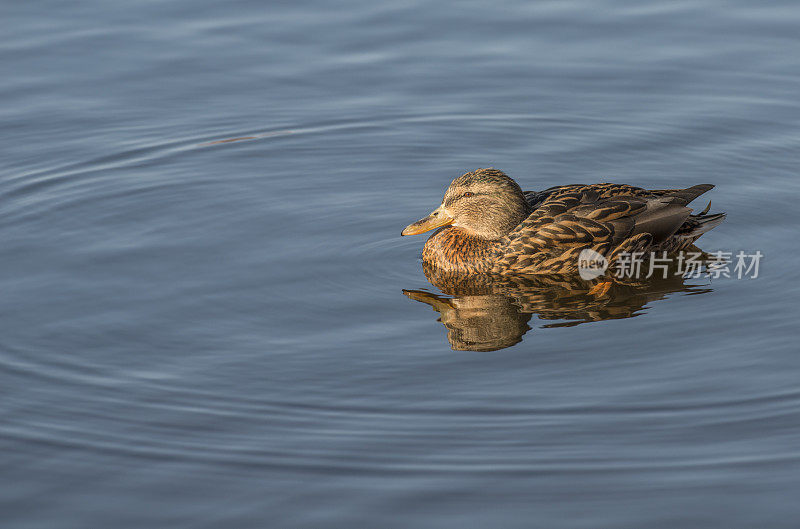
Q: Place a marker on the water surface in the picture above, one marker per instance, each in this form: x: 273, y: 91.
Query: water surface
x: 209, y: 333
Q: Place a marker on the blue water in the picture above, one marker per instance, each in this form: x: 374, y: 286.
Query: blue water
x: 203, y: 312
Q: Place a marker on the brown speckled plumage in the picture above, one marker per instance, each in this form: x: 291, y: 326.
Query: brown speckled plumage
x: 497, y: 228
x: 456, y: 248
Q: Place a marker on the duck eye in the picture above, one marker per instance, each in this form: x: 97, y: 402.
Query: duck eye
x: 468, y: 194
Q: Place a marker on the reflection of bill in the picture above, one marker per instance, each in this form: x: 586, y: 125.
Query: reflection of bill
x: 486, y: 313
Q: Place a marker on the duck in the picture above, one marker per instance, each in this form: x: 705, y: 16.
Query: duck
x: 486, y: 224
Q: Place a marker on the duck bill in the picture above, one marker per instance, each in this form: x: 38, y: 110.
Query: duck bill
x: 436, y: 219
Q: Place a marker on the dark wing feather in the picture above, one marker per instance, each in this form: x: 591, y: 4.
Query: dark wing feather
x: 536, y: 198
x: 603, y: 217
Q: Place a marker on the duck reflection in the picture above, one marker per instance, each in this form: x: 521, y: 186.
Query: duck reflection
x: 485, y: 313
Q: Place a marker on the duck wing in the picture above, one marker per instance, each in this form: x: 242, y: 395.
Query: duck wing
x: 607, y: 218
x: 536, y: 198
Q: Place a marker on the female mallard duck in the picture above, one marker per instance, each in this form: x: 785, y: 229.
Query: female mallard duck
x: 487, y: 224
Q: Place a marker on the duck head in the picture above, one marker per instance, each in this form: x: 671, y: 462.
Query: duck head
x: 485, y: 203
